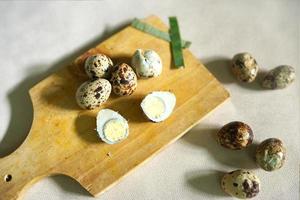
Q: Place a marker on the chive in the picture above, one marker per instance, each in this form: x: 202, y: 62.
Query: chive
x: 176, y: 42
x: 147, y: 28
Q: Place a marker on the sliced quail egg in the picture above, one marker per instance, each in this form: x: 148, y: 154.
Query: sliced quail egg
x: 146, y: 63
x: 111, y: 126
x: 158, y: 106
x: 98, y: 66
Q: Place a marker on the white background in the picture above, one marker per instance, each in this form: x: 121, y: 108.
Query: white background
x: 37, y: 38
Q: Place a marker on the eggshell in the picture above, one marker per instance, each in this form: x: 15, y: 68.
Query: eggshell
x: 244, y: 67
x: 270, y: 154
x: 98, y: 66
x: 241, y: 184
x: 93, y: 93
x: 146, y: 63
x: 279, y: 77
x: 123, y: 80
x: 235, y: 135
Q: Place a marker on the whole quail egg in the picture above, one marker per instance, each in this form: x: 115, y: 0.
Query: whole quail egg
x: 235, y: 135
x: 244, y: 67
x: 158, y: 106
x: 270, y: 154
x: 241, y: 184
x: 123, y: 80
x: 146, y: 63
x: 279, y: 77
x: 111, y: 126
x: 98, y: 66
x: 93, y: 93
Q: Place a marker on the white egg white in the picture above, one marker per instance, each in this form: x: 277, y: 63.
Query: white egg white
x: 158, y: 105
x: 111, y: 126
x: 146, y: 63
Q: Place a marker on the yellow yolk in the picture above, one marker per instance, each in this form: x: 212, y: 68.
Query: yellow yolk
x: 154, y: 107
x: 114, y: 130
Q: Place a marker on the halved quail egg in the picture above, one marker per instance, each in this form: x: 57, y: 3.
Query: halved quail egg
x: 112, y: 127
x: 158, y: 105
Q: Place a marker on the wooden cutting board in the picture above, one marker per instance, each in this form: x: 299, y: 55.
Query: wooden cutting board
x: 62, y: 139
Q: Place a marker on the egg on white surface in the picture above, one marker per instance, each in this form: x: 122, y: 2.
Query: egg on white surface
x: 98, y: 66
x: 158, y: 105
x: 93, y: 93
x: 112, y: 127
x: 147, y: 63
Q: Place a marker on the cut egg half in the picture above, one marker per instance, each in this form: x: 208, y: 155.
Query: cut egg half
x: 158, y: 105
x: 112, y: 127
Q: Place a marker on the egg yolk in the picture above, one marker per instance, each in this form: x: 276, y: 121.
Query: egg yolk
x: 154, y: 107
x: 115, y: 129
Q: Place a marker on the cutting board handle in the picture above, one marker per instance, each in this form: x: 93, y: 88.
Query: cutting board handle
x: 17, y: 172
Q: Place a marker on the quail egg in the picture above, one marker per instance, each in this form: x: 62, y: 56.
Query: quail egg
x: 235, y: 135
x: 158, y: 106
x: 98, y: 66
x: 146, y: 63
x: 241, y: 184
x: 244, y: 67
x: 93, y: 93
x: 270, y: 154
x: 123, y: 80
x: 279, y: 77
x: 112, y: 127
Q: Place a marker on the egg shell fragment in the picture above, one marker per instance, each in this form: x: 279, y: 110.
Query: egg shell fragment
x: 103, y: 117
x: 235, y: 135
x: 123, y: 80
x: 279, y: 77
x: 244, y: 67
x: 270, y: 154
x: 166, y: 102
x: 93, y: 93
x: 146, y: 63
x: 241, y: 184
x: 98, y: 66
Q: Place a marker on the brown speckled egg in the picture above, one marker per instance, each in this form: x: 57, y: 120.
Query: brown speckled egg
x: 98, y: 66
x: 244, y: 67
x: 241, y: 184
x: 93, y: 93
x: 270, y: 154
x: 235, y: 135
x: 123, y: 80
x: 279, y: 77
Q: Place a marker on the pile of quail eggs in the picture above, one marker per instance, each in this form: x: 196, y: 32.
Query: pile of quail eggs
x: 122, y: 80
x: 270, y: 155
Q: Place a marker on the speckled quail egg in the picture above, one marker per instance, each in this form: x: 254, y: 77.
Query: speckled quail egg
x: 98, y: 66
x: 244, y: 67
x: 279, y: 77
x: 146, y: 63
x: 158, y: 106
x: 235, y: 135
x: 123, y: 80
x: 270, y: 154
x: 93, y: 93
x: 241, y: 184
x: 111, y: 126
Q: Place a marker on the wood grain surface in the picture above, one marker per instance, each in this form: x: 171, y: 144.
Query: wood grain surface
x: 62, y: 139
